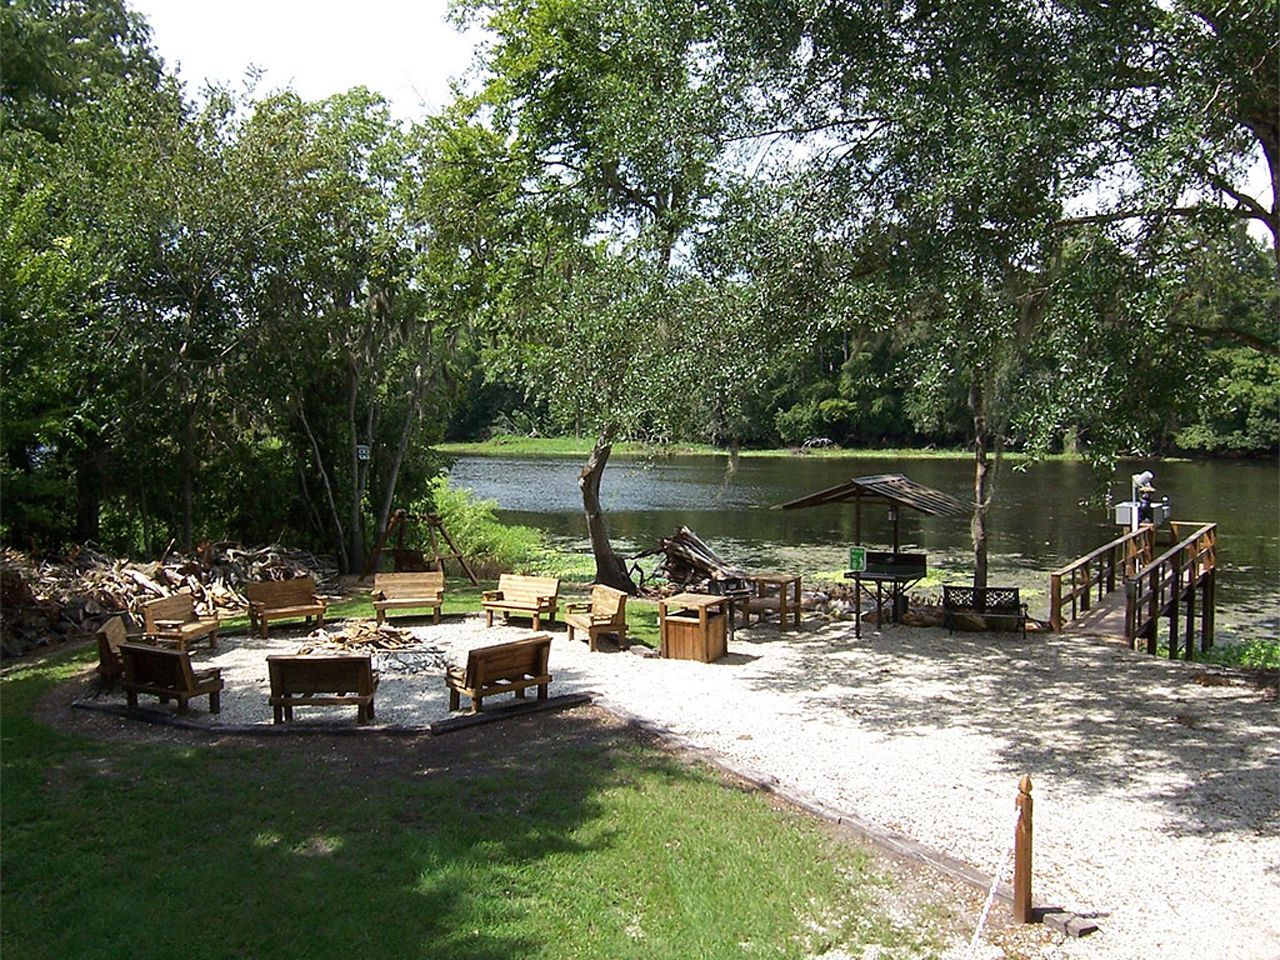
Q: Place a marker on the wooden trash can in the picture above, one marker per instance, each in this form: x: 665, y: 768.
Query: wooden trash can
x: 696, y: 627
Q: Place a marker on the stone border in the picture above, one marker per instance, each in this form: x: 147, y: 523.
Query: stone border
x: 437, y: 728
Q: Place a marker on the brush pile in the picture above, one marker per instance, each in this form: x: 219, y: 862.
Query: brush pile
x: 57, y: 598
x: 689, y: 562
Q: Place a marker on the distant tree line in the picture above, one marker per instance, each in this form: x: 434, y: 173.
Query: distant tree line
x: 986, y: 224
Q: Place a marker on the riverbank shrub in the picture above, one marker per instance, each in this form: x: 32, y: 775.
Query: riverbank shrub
x: 490, y: 546
x: 1252, y: 654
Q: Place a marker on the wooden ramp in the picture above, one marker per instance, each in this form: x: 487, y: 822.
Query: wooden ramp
x: 1105, y: 618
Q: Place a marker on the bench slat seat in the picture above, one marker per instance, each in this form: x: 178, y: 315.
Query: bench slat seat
x: 167, y: 674
x: 501, y: 668
x: 283, y: 600
x: 530, y: 596
x: 173, y: 619
x: 322, y: 681
x: 402, y: 591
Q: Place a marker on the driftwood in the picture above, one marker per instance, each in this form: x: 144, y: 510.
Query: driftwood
x: 689, y: 562
x: 46, y: 600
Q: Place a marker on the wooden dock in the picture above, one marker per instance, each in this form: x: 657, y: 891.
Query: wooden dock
x: 1123, y: 590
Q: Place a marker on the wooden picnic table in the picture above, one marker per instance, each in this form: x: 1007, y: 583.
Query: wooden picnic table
x: 775, y: 591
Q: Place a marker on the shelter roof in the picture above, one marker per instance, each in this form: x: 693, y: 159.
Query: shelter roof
x: 884, y: 488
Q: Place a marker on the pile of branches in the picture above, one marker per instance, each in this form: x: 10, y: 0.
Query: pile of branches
x: 688, y: 562
x: 57, y: 598
x: 358, y: 636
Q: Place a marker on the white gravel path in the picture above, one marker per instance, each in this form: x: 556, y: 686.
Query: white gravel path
x: 1156, y: 784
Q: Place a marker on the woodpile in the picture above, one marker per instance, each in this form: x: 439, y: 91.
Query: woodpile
x: 52, y: 599
x: 689, y: 562
x: 358, y: 636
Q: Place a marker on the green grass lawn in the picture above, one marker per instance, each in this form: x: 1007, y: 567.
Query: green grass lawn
x: 530, y: 838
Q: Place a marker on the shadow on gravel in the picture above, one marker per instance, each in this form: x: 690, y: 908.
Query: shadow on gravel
x: 1203, y: 742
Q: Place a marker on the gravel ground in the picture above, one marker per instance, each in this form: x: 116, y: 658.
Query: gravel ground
x: 1156, y: 784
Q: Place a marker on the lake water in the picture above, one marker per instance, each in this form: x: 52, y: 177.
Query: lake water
x: 1036, y: 522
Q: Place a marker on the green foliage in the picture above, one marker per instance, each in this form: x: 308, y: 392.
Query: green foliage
x: 1241, y: 415
x: 1253, y: 654
x: 490, y: 546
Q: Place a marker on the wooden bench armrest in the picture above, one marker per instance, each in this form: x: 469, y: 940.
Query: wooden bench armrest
x: 578, y: 607
x: 550, y: 598
x: 492, y: 595
x: 169, y: 624
x: 379, y: 595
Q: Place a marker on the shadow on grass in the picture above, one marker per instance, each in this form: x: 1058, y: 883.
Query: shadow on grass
x: 490, y: 843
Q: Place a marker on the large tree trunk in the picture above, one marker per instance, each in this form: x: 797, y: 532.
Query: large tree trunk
x: 610, y: 569
x: 981, y: 481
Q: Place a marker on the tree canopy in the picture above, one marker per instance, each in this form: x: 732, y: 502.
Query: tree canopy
x: 1037, y: 226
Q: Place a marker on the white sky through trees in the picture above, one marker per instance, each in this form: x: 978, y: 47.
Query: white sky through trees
x: 403, y: 49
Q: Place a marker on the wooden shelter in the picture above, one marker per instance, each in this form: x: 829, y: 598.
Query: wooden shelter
x: 891, y: 489
x: 895, y: 570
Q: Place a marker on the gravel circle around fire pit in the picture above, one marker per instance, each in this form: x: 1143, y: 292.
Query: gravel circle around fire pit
x: 1156, y: 784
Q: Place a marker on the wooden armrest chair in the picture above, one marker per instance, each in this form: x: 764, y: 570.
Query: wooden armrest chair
x: 605, y: 612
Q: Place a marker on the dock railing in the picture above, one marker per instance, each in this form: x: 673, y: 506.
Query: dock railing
x: 1074, y: 587
x: 1167, y: 586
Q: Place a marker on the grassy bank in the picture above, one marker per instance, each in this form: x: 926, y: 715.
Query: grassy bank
x: 573, y: 447
x: 564, y: 840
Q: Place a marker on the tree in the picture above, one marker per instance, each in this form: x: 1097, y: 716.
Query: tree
x: 79, y: 80
x: 966, y: 137
x: 617, y: 112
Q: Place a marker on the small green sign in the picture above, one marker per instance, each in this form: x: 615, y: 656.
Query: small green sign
x: 857, y: 559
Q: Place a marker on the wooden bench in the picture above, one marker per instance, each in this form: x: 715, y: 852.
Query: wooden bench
x: 501, y: 668
x: 606, y: 612
x: 530, y: 596
x: 322, y: 681
x: 110, y: 664
x: 986, y: 605
x: 283, y: 600
x: 398, y: 591
x: 167, y: 674
x: 173, y: 620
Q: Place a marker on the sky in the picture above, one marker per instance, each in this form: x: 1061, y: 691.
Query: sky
x: 403, y: 49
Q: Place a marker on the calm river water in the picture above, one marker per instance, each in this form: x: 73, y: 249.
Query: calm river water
x: 1036, y: 523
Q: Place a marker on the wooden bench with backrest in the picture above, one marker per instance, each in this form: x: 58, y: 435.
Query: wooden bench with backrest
x: 322, y: 681
x: 173, y: 620
x: 983, y: 607
x: 531, y: 596
x: 283, y: 600
x: 502, y: 668
x: 399, y: 591
x: 606, y: 612
x: 110, y: 635
x: 166, y: 673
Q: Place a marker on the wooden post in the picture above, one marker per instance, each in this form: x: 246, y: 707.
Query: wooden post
x: 1055, y: 601
x: 1022, y: 912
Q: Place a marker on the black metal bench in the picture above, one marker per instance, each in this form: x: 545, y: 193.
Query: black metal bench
x: 993, y: 605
